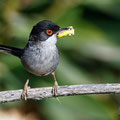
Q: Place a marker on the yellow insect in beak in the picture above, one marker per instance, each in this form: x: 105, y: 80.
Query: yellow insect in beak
x: 65, y: 31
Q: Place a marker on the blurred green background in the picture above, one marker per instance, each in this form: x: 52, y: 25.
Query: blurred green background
x: 92, y: 55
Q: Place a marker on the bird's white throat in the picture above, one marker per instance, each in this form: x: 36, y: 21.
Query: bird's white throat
x: 50, y: 42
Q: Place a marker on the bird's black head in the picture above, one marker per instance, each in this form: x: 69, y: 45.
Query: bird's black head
x: 43, y: 30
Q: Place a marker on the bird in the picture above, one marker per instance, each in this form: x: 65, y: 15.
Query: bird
x: 40, y: 56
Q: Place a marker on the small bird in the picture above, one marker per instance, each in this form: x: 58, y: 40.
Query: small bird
x: 40, y: 56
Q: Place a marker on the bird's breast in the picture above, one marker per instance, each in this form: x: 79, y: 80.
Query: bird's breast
x: 40, y: 60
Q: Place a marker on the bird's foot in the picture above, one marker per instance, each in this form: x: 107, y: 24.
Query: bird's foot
x: 25, y: 93
x: 25, y: 90
x: 55, y: 89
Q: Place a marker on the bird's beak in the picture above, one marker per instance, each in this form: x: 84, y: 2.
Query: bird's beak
x: 65, y: 31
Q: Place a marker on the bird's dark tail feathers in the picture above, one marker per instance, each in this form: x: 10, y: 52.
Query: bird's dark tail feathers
x: 11, y: 50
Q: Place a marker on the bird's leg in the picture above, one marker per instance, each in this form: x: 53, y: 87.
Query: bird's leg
x: 55, y: 87
x: 25, y: 90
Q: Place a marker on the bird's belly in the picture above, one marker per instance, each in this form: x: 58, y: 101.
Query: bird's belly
x: 41, y: 64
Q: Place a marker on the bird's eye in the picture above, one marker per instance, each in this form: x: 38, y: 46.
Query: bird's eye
x: 49, y: 32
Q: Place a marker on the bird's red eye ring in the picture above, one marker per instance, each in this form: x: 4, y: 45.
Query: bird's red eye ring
x: 49, y: 32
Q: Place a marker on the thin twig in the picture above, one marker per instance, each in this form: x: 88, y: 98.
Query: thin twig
x: 68, y: 90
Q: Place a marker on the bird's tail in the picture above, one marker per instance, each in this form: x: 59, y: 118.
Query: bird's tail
x: 11, y: 50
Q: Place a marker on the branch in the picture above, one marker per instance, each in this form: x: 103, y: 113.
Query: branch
x: 68, y: 90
